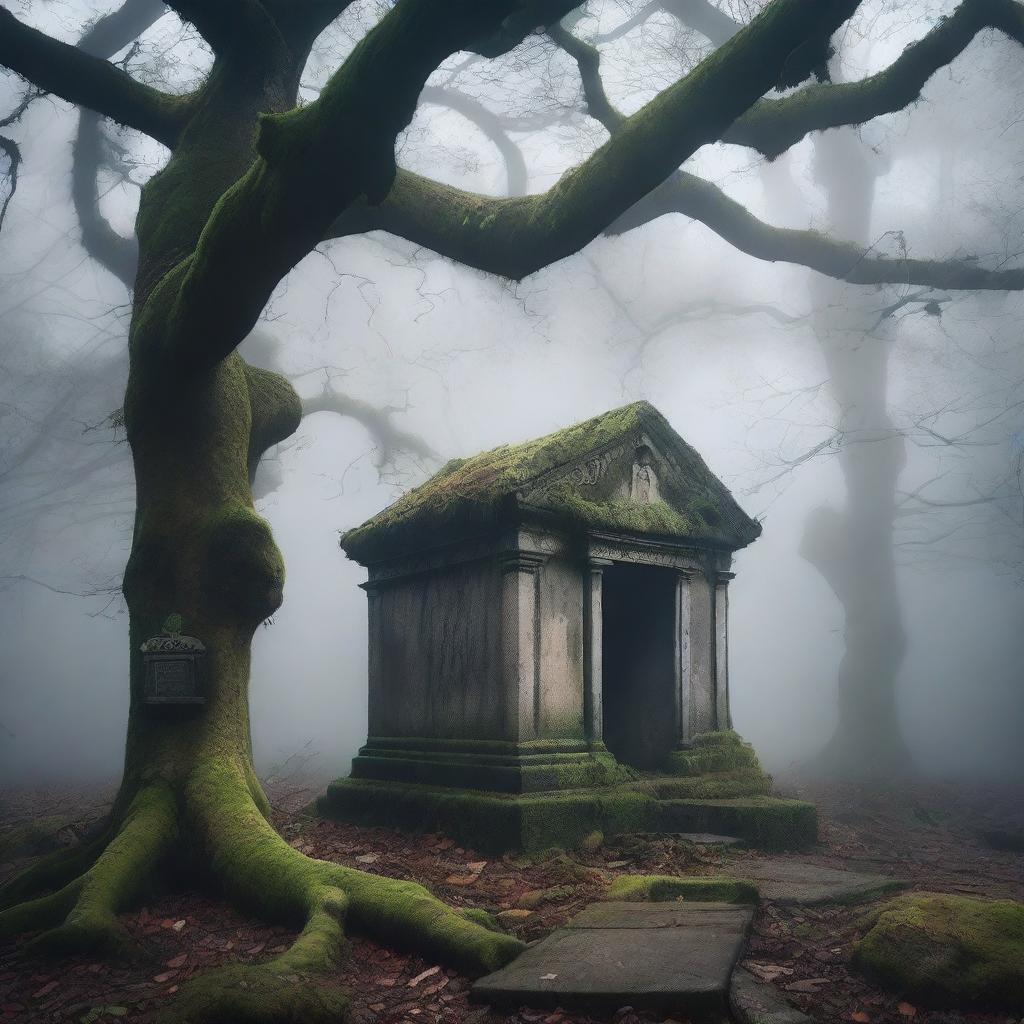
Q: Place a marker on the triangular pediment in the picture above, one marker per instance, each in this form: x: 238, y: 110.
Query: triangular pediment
x: 625, y: 472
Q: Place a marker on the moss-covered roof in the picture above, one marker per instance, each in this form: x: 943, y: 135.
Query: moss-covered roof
x: 536, y: 481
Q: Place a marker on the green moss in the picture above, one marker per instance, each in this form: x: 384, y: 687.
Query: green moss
x: 31, y: 839
x: 713, y: 752
x: 713, y: 786
x: 276, y: 412
x: 82, y: 916
x: 484, y: 491
x: 260, y: 870
x: 665, y: 888
x: 496, y: 773
x: 481, y: 917
x: 943, y: 947
x: 768, y: 823
x: 246, y: 994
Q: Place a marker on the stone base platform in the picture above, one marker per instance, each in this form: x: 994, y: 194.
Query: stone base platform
x: 495, y: 766
x: 497, y: 796
x: 496, y: 823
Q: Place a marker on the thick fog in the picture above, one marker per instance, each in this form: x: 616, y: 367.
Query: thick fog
x: 418, y: 360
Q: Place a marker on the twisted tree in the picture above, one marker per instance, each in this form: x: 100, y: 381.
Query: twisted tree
x: 253, y: 182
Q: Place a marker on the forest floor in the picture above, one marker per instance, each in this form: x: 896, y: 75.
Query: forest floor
x: 931, y: 835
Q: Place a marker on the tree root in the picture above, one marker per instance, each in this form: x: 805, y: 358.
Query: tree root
x: 259, y: 872
x: 84, y: 912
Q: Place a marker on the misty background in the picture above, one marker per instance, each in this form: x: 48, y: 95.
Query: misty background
x: 414, y: 360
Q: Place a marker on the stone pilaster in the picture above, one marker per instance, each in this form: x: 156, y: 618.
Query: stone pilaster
x: 723, y: 718
x: 519, y: 643
x: 593, y: 620
x: 681, y: 650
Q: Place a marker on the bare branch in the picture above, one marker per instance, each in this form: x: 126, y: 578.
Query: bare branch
x: 515, y: 237
x: 772, y: 126
x: 693, y: 197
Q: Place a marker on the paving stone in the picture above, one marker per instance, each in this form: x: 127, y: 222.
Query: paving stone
x: 753, y: 1001
x: 709, y: 839
x: 785, y: 880
x: 664, y: 956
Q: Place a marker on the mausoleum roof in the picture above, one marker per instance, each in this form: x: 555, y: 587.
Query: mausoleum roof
x: 584, y: 477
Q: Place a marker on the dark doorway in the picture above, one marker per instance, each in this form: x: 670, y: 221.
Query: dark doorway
x: 638, y: 663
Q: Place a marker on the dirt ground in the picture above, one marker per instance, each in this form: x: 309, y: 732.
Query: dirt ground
x: 932, y: 835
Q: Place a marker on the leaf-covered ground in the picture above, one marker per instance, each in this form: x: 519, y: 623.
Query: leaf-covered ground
x: 938, y: 837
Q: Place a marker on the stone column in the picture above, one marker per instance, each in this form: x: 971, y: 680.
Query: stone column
x: 593, y: 724
x: 681, y: 650
x: 374, y: 649
x: 519, y: 639
x: 723, y: 718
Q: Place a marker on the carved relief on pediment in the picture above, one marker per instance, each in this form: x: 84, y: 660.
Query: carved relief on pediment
x: 643, y: 486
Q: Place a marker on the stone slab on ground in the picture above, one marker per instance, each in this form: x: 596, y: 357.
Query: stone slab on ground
x: 784, y: 880
x: 753, y: 1001
x: 708, y: 839
x: 661, y: 956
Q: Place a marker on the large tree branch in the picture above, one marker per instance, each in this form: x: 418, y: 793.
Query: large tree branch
x: 227, y: 24
x: 515, y: 237
x: 313, y: 162
x: 81, y: 78
x: 693, y: 197
x: 428, y: 213
x: 772, y: 126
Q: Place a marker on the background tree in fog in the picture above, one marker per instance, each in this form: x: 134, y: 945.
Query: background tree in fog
x: 254, y: 182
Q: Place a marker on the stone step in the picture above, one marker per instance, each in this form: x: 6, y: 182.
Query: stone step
x: 671, y: 957
x: 785, y: 880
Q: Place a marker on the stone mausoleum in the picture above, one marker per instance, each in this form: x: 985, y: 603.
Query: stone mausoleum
x: 548, y: 647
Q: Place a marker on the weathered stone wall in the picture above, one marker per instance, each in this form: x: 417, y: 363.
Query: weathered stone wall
x: 561, y: 650
x: 702, y: 675
x: 435, y: 660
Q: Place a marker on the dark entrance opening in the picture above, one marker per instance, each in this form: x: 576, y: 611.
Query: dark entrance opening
x: 638, y: 663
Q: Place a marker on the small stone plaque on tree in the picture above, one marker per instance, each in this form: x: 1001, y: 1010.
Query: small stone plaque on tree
x: 173, y: 667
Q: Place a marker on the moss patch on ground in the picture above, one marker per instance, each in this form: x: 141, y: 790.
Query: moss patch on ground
x: 941, y: 947
x: 666, y: 888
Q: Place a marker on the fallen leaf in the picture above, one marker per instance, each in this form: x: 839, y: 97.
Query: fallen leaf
x: 166, y: 976
x: 367, y: 858
x: 436, y: 987
x: 178, y: 925
x: 907, y: 1010
x: 860, y: 1017
x: 461, y: 879
x: 46, y: 990
x: 617, y: 864
x: 477, y: 866
x: 177, y: 961
x: 548, y: 977
x: 768, y: 972
x: 807, y: 985
x: 428, y: 973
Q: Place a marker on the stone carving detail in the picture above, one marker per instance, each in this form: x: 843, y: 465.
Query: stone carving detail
x: 643, y: 488
x: 172, y: 644
x: 583, y: 474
